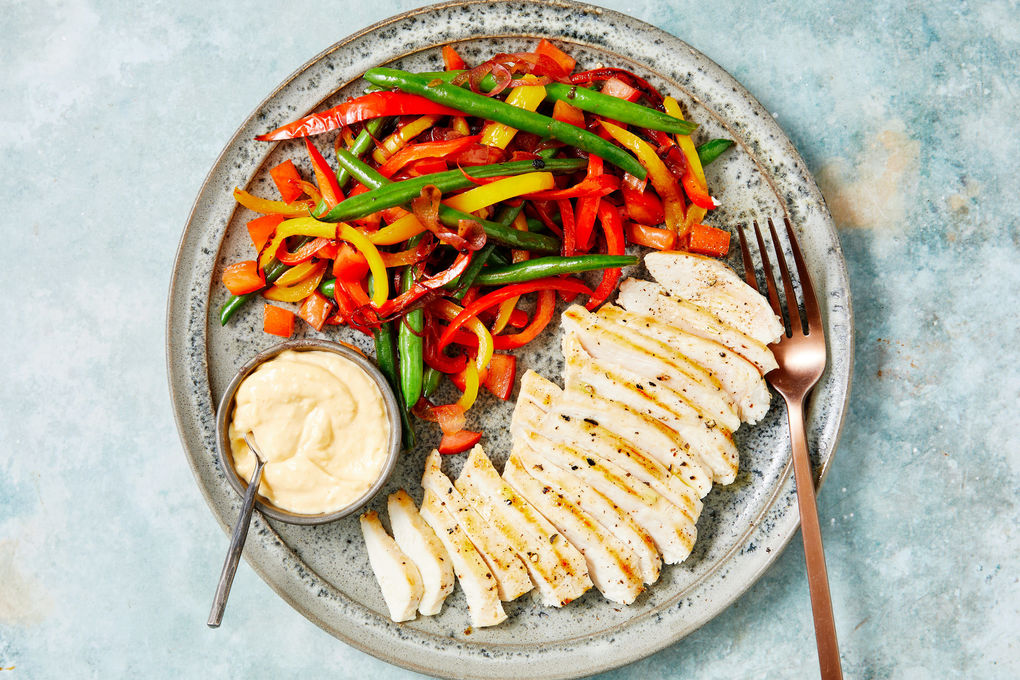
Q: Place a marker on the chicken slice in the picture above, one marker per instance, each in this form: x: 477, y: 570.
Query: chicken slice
x: 414, y: 536
x: 647, y: 297
x: 652, y: 359
x: 609, y: 515
x: 738, y: 376
x: 708, y: 282
x: 398, y: 578
x: 612, y: 566
x: 712, y: 445
x: 511, y: 576
x: 474, y: 575
x: 671, y: 529
x: 556, y: 567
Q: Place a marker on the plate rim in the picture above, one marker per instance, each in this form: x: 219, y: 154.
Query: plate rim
x: 783, y: 484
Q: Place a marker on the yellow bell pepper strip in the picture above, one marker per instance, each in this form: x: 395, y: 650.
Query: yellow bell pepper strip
x: 526, y: 97
x: 501, y: 190
x: 447, y: 310
x: 267, y: 207
x: 396, y: 141
x: 467, y: 399
x: 460, y: 124
x: 296, y: 274
x: 299, y: 291
x: 309, y: 226
x: 693, y: 177
x: 662, y: 179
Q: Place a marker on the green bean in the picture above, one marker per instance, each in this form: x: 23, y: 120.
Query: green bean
x: 362, y: 143
x: 466, y: 279
x: 498, y: 259
x: 536, y: 226
x: 431, y: 381
x: 712, y: 149
x: 542, y: 267
x: 409, y: 342
x: 386, y: 357
x: 447, y: 215
x: 474, y: 104
x: 597, y: 103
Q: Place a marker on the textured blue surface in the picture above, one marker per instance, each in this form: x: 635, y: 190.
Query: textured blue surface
x: 111, y: 114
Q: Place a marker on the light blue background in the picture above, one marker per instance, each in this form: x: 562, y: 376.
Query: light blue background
x: 111, y: 114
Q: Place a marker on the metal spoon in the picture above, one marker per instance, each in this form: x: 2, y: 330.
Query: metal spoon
x: 238, y: 537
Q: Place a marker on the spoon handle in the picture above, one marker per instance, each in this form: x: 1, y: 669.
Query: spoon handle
x: 236, y: 546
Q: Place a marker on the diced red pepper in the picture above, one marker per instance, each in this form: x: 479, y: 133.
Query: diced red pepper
x: 358, y: 110
x: 706, y: 240
x: 562, y: 59
x: 315, y: 310
x: 286, y: 177
x: 278, y: 321
x: 459, y: 442
x: 643, y: 206
x: 568, y: 113
x: 459, y: 378
x: 261, y: 229
x: 243, y: 277
x: 451, y: 418
x: 350, y: 264
x: 452, y: 60
x: 518, y: 319
x: 652, y: 237
x: 614, y: 87
x: 500, y: 378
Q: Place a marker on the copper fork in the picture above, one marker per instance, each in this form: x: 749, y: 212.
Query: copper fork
x: 800, y: 354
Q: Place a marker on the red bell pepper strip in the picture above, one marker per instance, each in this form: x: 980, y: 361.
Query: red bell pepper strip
x: 302, y: 254
x: 569, y: 228
x: 451, y: 418
x: 425, y: 166
x: 586, y: 207
x: 632, y: 79
x: 459, y: 442
x: 544, y: 310
x: 612, y: 226
x: 243, y: 278
x: 358, y: 110
x: 492, y: 299
x: 278, y: 321
x: 286, y: 178
x: 315, y: 310
x: 350, y: 264
x: 437, y: 358
x: 706, y: 240
x: 419, y: 288
x: 695, y: 190
x: 642, y: 206
x: 329, y: 187
x: 415, y: 152
x: 600, y: 185
x: 564, y: 60
x: 501, y: 375
x: 452, y: 60
x: 652, y: 237
x: 261, y: 229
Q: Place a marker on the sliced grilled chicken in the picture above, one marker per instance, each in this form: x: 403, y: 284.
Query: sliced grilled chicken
x: 669, y: 526
x: 398, y: 578
x: 645, y: 434
x: 713, y: 445
x: 556, y: 567
x: 626, y: 347
x: 611, y: 516
x: 647, y: 297
x: 414, y: 536
x: 707, y: 282
x: 474, y: 575
x: 511, y: 576
x: 612, y: 566
x: 738, y: 376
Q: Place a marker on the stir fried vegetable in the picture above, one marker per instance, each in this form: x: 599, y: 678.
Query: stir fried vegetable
x: 452, y: 197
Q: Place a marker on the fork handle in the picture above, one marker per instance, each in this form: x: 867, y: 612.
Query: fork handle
x: 814, y: 555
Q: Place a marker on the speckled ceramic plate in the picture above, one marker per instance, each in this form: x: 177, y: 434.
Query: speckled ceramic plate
x: 323, y: 571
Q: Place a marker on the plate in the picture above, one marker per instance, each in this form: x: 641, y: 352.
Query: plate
x: 323, y: 571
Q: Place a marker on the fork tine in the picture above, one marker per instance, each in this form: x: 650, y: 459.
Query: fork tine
x: 749, y: 276
x: 814, y: 317
x: 770, y: 279
x: 791, y: 297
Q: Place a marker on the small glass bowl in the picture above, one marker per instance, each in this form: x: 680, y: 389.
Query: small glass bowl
x: 226, y: 409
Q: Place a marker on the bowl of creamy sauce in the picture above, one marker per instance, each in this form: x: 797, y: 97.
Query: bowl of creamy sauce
x: 326, y: 421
